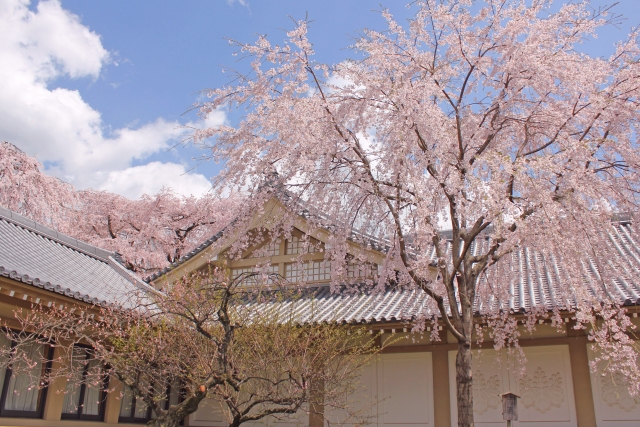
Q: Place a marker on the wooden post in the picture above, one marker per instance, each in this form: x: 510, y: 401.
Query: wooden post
x: 583, y: 395
x: 441, y: 393
x: 316, y: 405
x: 112, y: 407
x: 55, y: 391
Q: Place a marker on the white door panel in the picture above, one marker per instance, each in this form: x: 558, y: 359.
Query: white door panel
x: 405, y: 384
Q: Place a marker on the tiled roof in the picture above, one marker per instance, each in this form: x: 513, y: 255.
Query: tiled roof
x: 39, y: 256
x: 319, y: 304
x: 536, y: 283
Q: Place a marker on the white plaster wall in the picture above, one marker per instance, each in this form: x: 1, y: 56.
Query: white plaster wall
x: 362, y: 404
x: 405, y: 390
x: 209, y: 413
x: 613, y: 404
x: 546, y: 389
x: 396, y: 390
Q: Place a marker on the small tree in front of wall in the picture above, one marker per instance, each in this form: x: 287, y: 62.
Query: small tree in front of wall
x: 245, y: 347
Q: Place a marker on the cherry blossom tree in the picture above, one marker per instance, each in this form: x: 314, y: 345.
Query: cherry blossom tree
x: 150, y: 233
x: 153, y: 231
x: 26, y: 190
x: 207, y: 336
x: 486, y: 119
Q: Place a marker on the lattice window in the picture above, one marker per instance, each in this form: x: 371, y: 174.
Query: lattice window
x: 365, y: 270
x: 311, y: 271
x: 296, y: 246
x: 269, y: 250
x: 252, y: 280
x: 237, y: 272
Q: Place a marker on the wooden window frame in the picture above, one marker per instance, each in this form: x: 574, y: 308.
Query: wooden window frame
x: 83, y: 387
x: 252, y: 281
x: 137, y: 420
x: 42, y: 397
x: 305, y: 271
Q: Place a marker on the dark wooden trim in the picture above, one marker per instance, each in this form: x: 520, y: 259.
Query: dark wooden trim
x: 83, y: 387
x: 132, y: 419
x: 581, y: 378
x: 42, y: 392
x: 16, y: 302
x: 441, y: 392
x: 530, y: 342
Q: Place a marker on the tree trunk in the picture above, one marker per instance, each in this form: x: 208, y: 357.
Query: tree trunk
x: 167, y: 421
x: 464, y: 382
x: 176, y: 413
x: 316, y: 403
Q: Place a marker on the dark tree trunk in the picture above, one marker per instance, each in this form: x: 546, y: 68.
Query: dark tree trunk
x: 464, y: 383
x: 167, y: 421
x: 176, y: 413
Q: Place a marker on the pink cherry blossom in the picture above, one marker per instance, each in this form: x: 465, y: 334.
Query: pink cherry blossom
x: 479, y: 118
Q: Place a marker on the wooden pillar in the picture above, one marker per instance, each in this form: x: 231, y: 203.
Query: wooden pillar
x: 114, y: 399
x: 55, y: 391
x: 585, y: 411
x: 441, y: 400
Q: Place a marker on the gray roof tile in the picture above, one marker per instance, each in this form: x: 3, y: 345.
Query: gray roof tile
x: 536, y: 283
x: 37, y: 255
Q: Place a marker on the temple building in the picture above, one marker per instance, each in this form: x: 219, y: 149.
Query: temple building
x: 410, y: 384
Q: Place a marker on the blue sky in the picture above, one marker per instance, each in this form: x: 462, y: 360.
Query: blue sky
x: 98, y: 90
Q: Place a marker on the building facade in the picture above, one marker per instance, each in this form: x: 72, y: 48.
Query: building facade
x: 41, y: 266
x: 410, y: 384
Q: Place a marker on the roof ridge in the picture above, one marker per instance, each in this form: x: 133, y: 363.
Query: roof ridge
x: 129, y: 275
x: 51, y: 234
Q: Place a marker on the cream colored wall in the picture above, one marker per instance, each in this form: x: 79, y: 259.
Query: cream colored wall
x: 362, y: 403
x: 396, y: 389
x: 19, y: 296
x: 614, y: 406
x: 574, y: 341
x: 209, y: 414
x: 546, y: 389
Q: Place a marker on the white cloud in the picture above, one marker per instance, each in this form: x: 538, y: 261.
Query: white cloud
x: 135, y: 181
x: 56, y: 124
x: 215, y: 118
x: 48, y: 42
x: 242, y: 2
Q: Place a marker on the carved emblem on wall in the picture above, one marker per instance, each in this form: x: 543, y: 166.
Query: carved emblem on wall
x: 486, y: 393
x: 615, y: 391
x: 541, y: 393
